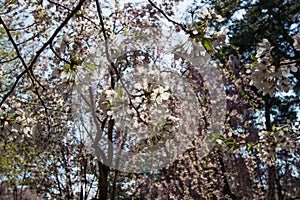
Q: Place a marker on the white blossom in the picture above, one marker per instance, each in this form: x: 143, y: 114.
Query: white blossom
x: 265, y: 76
x: 205, y: 13
x: 110, y: 95
x: 159, y: 94
x: 110, y: 113
x: 219, y: 18
x: 264, y: 47
x: 296, y: 43
x: 293, y: 68
x: 219, y: 141
x: 138, y: 86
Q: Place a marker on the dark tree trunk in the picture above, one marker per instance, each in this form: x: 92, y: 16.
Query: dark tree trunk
x: 244, y: 178
x: 103, y: 183
x: 271, y: 168
x: 226, y: 187
x: 271, y: 183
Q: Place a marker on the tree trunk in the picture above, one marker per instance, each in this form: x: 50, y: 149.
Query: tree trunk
x: 271, y: 168
x: 244, y: 179
x: 103, y: 183
x: 113, y: 193
x: 226, y: 187
x: 271, y: 183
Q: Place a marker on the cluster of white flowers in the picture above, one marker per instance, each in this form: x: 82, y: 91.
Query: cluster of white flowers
x: 271, y: 142
x: 110, y: 95
x: 160, y: 94
x: 204, y: 38
x: 149, y: 102
x: 297, y: 41
x: 210, y: 14
x: 145, y: 102
x: 265, y: 76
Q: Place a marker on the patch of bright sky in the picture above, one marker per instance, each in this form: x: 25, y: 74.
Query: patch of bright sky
x: 239, y: 14
x: 290, y: 93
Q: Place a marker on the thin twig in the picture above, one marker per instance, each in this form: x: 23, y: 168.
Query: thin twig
x: 5, y: 61
x: 291, y: 62
x: 22, y: 28
x: 56, y: 54
x: 31, y: 38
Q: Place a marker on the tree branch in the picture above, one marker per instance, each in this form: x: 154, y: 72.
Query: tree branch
x: 38, y: 53
x: 15, y: 47
x: 169, y: 19
x: 6, y: 61
x: 56, y: 54
x: 64, y: 7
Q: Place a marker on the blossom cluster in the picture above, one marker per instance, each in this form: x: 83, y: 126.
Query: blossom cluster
x: 267, y: 76
x: 281, y: 138
x: 144, y: 109
x: 210, y: 14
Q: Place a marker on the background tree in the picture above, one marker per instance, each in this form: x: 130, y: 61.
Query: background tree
x: 277, y: 21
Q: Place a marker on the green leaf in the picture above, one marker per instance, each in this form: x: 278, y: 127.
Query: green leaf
x: 198, y: 27
x: 253, y: 57
x: 230, y: 142
x: 249, y: 146
x: 119, y: 91
x: 117, y: 4
x: 126, y: 31
x: 232, y: 147
x: 68, y: 67
x: 207, y: 44
x: 89, y: 65
x: 165, y: 134
x: 216, y: 136
x: 79, y: 13
x: 273, y: 127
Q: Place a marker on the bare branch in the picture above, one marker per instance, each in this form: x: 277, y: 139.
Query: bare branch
x: 22, y: 28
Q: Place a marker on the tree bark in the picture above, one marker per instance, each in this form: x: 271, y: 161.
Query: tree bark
x: 113, y: 193
x: 271, y: 183
x: 103, y: 183
x: 244, y: 178
x: 271, y: 168
x: 226, y: 187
